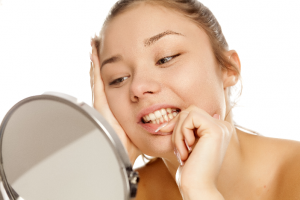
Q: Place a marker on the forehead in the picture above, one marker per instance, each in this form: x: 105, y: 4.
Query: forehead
x: 130, y: 29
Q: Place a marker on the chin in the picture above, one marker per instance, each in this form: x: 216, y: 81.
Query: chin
x: 158, y: 146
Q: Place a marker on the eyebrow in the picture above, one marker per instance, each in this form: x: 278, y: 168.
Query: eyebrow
x: 155, y: 38
x: 147, y: 42
x: 111, y: 60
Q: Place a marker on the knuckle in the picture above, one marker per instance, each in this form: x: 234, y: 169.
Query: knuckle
x: 192, y: 107
x: 182, y: 115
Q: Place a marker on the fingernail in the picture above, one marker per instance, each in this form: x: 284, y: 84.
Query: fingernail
x: 187, y: 146
x: 176, y: 152
x: 161, y: 126
x: 216, y: 116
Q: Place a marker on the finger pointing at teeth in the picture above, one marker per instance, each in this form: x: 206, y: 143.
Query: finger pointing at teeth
x: 182, y: 139
x: 209, y: 136
x: 189, y: 125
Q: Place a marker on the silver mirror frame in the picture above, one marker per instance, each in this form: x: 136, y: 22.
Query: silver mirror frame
x: 130, y: 177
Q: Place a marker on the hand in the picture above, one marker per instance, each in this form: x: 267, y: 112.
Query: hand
x: 201, y: 168
x: 100, y: 104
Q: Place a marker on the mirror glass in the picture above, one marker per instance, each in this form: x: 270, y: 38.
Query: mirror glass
x: 52, y: 150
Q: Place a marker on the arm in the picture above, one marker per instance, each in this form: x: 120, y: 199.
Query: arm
x: 201, y: 168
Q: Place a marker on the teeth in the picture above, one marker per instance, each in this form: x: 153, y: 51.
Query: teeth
x: 161, y: 120
x: 161, y: 116
x: 152, y: 116
x: 170, y: 116
x: 157, y: 114
x: 166, y: 117
x: 147, y: 118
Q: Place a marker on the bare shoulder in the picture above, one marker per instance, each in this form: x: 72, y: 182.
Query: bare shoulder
x: 288, y: 186
x: 280, y: 159
x: 156, y: 182
x: 281, y: 150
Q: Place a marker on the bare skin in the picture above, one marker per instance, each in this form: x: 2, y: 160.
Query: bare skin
x: 229, y: 164
x: 270, y: 171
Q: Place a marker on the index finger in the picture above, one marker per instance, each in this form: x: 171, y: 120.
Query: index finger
x: 169, y: 126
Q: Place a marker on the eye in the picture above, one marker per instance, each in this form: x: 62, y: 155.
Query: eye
x: 118, y: 80
x: 166, y: 59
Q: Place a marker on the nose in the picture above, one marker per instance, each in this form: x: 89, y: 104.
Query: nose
x: 143, y: 86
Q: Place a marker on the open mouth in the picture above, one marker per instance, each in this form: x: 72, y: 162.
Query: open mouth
x: 160, y: 116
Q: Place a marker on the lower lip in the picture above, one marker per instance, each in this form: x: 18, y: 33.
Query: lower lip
x: 151, y: 128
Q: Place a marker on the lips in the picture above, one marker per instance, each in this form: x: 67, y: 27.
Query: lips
x: 151, y: 127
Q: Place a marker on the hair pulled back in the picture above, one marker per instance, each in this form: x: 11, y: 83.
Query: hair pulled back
x: 193, y: 10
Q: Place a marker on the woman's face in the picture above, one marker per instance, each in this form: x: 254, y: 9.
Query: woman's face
x: 176, y: 68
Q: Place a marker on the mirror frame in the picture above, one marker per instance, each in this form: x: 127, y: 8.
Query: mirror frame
x: 130, y: 177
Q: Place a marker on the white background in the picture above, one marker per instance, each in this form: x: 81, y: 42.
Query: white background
x: 45, y: 45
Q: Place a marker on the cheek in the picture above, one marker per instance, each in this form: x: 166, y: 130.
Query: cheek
x: 118, y: 104
x: 198, y: 85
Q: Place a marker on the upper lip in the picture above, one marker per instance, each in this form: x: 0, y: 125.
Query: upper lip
x: 151, y: 109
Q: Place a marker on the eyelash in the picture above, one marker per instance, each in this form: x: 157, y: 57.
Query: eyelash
x: 158, y: 62
x: 120, y: 80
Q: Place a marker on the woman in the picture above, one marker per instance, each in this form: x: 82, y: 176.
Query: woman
x: 161, y: 76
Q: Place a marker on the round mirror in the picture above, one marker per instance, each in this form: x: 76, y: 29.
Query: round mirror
x: 54, y: 147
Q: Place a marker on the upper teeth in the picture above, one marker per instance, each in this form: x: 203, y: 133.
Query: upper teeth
x: 160, y: 116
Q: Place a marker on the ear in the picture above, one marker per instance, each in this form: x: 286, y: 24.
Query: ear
x: 230, y: 75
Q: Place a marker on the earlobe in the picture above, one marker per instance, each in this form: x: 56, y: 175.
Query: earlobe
x: 232, y: 73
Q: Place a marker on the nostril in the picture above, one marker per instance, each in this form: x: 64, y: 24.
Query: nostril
x: 135, y: 99
x: 150, y: 92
